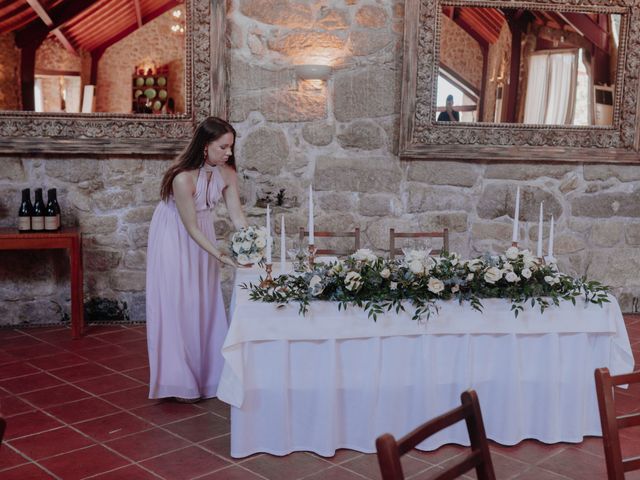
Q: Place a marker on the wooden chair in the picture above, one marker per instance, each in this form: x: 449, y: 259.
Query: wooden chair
x: 3, y: 427
x: 611, y: 425
x: 389, y: 449
x: 331, y: 251
x: 393, y: 250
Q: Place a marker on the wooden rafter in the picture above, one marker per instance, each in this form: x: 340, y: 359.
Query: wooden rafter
x: 591, y: 30
x: 136, y: 4
x: 60, y: 14
x: 147, y: 18
x: 44, y: 16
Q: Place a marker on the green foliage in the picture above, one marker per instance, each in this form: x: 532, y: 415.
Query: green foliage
x: 378, y: 285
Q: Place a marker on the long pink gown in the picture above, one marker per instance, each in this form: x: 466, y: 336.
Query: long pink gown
x: 186, y: 319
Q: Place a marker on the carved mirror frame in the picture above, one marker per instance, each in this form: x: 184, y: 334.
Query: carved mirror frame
x: 421, y: 137
x: 108, y: 133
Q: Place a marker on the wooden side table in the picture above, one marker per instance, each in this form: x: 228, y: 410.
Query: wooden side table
x: 67, y: 238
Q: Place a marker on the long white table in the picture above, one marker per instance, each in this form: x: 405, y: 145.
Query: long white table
x: 333, y: 379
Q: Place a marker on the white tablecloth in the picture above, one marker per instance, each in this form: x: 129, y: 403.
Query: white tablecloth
x: 335, y: 379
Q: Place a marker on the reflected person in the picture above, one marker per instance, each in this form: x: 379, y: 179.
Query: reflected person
x: 449, y: 115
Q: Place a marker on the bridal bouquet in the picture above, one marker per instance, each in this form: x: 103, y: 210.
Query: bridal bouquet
x: 420, y: 281
x: 248, y: 245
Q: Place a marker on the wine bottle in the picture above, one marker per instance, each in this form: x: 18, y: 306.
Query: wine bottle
x: 52, y: 212
x: 37, y: 215
x: 24, y: 214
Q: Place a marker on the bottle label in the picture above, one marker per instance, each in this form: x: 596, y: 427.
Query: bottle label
x: 51, y: 223
x: 24, y: 223
x: 37, y: 223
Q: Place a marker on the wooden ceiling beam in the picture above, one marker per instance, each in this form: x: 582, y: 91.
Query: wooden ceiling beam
x: 132, y: 28
x: 589, y: 29
x: 136, y: 4
x: 44, y: 16
x: 99, y: 23
x: 36, y: 32
x: 462, y: 23
x: 475, y: 23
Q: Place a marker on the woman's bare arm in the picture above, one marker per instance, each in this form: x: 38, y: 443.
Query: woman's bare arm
x: 184, y: 188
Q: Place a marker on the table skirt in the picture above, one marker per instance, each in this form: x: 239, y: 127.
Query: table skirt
x: 322, y: 395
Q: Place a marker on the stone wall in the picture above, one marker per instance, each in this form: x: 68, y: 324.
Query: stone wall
x: 153, y: 44
x: 341, y: 136
x: 460, y: 52
x: 9, y: 73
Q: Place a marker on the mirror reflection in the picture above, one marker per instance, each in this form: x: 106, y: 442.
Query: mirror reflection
x: 509, y: 65
x: 71, y: 56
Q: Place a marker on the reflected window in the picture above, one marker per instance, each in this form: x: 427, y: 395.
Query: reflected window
x: 464, y: 101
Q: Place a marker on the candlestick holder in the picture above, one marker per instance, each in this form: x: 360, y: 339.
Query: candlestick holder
x: 312, y: 256
x: 267, y: 281
x: 514, y: 244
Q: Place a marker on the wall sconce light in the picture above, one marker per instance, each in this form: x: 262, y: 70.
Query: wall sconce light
x: 313, y: 72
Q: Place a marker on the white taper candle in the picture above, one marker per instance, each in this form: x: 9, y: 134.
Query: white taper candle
x: 540, y: 232
x: 550, y: 249
x: 516, y: 216
x: 283, y: 246
x: 310, y: 226
x: 268, y: 235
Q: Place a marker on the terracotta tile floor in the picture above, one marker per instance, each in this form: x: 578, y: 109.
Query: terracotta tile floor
x: 79, y: 409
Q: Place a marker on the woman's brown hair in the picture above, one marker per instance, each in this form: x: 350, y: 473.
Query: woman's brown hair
x: 192, y: 157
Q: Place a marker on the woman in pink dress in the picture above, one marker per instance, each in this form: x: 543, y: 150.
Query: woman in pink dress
x: 186, y: 320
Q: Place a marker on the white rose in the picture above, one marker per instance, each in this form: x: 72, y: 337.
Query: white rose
x: 416, y: 267
x: 550, y: 280
x: 236, y: 247
x: 507, y: 267
x: 337, y: 268
x: 364, y: 255
x: 261, y: 233
x: 255, y: 257
x: 512, y: 253
x: 315, y: 284
x: 260, y: 242
x: 393, y: 286
x: 492, y: 275
x: 243, y: 259
x: 353, y: 281
x: 435, y: 285
x: 385, y: 273
x: 512, y: 277
x: 474, y: 265
x: 246, y: 245
x: 470, y: 277
x: 455, y: 289
x: 526, y: 273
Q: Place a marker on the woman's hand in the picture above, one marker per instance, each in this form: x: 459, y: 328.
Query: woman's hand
x: 227, y: 260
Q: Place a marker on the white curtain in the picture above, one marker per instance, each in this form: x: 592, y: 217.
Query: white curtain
x: 551, y: 88
x: 536, y: 100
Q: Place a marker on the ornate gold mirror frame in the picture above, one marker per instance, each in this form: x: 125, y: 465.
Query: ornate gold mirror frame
x: 107, y: 133
x: 421, y: 137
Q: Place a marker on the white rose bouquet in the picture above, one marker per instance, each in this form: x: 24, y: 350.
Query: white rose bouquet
x: 248, y: 245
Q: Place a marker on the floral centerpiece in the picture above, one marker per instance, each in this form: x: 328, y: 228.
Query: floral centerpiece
x: 248, y: 245
x: 379, y: 285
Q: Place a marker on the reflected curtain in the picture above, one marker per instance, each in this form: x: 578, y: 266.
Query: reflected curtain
x: 551, y: 88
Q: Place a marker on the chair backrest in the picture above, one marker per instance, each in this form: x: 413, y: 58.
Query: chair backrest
x: 331, y: 251
x: 389, y: 450
x: 395, y: 250
x: 611, y: 425
x: 3, y: 426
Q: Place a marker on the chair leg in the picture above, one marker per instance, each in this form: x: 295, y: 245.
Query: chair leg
x: 389, y: 458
